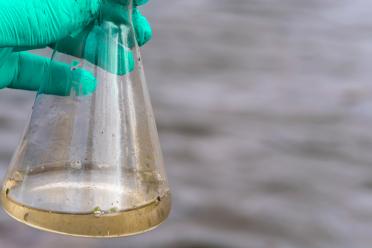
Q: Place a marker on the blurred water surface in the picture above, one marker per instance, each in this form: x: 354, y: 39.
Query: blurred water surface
x: 264, y: 110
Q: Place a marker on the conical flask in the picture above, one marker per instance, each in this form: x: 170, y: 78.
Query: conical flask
x: 89, y: 162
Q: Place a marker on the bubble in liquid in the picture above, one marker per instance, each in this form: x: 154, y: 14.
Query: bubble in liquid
x: 97, y: 211
x: 76, y: 164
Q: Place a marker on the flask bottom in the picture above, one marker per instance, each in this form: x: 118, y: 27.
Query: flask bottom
x: 118, y: 224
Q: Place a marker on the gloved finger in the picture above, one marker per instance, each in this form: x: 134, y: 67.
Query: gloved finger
x: 142, y: 27
x: 115, y: 12
x: 4, y: 54
x: 140, y: 2
x: 30, y: 23
x: 126, y: 2
x: 26, y: 48
x: 32, y: 72
x: 8, y: 66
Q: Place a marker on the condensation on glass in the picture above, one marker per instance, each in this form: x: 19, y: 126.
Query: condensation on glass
x: 89, y: 162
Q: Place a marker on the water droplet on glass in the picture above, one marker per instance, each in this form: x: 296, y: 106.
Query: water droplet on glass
x: 75, y: 65
x: 18, y: 176
x: 157, y: 201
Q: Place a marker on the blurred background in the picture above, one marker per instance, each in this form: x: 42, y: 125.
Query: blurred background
x: 264, y: 109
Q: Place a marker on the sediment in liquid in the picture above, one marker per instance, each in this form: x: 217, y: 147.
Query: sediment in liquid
x: 122, y: 223
x: 94, y: 205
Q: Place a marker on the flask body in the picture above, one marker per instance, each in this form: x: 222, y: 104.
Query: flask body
x: 89, y: 162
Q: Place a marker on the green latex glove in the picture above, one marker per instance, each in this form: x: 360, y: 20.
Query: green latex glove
x: 29, y: 24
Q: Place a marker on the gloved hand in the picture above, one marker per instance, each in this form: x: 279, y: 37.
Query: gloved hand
x: 29, y: 24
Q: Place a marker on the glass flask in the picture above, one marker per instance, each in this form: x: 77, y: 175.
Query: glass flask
x: 89, y: 162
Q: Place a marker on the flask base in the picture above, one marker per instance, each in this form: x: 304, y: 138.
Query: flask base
x: 94, y: 224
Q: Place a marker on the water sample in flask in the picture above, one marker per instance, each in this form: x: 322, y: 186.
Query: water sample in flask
x: 89, y: 162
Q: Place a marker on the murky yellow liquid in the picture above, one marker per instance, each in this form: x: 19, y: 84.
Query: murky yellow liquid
x: 87, y: 200
x: 92, y: 224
